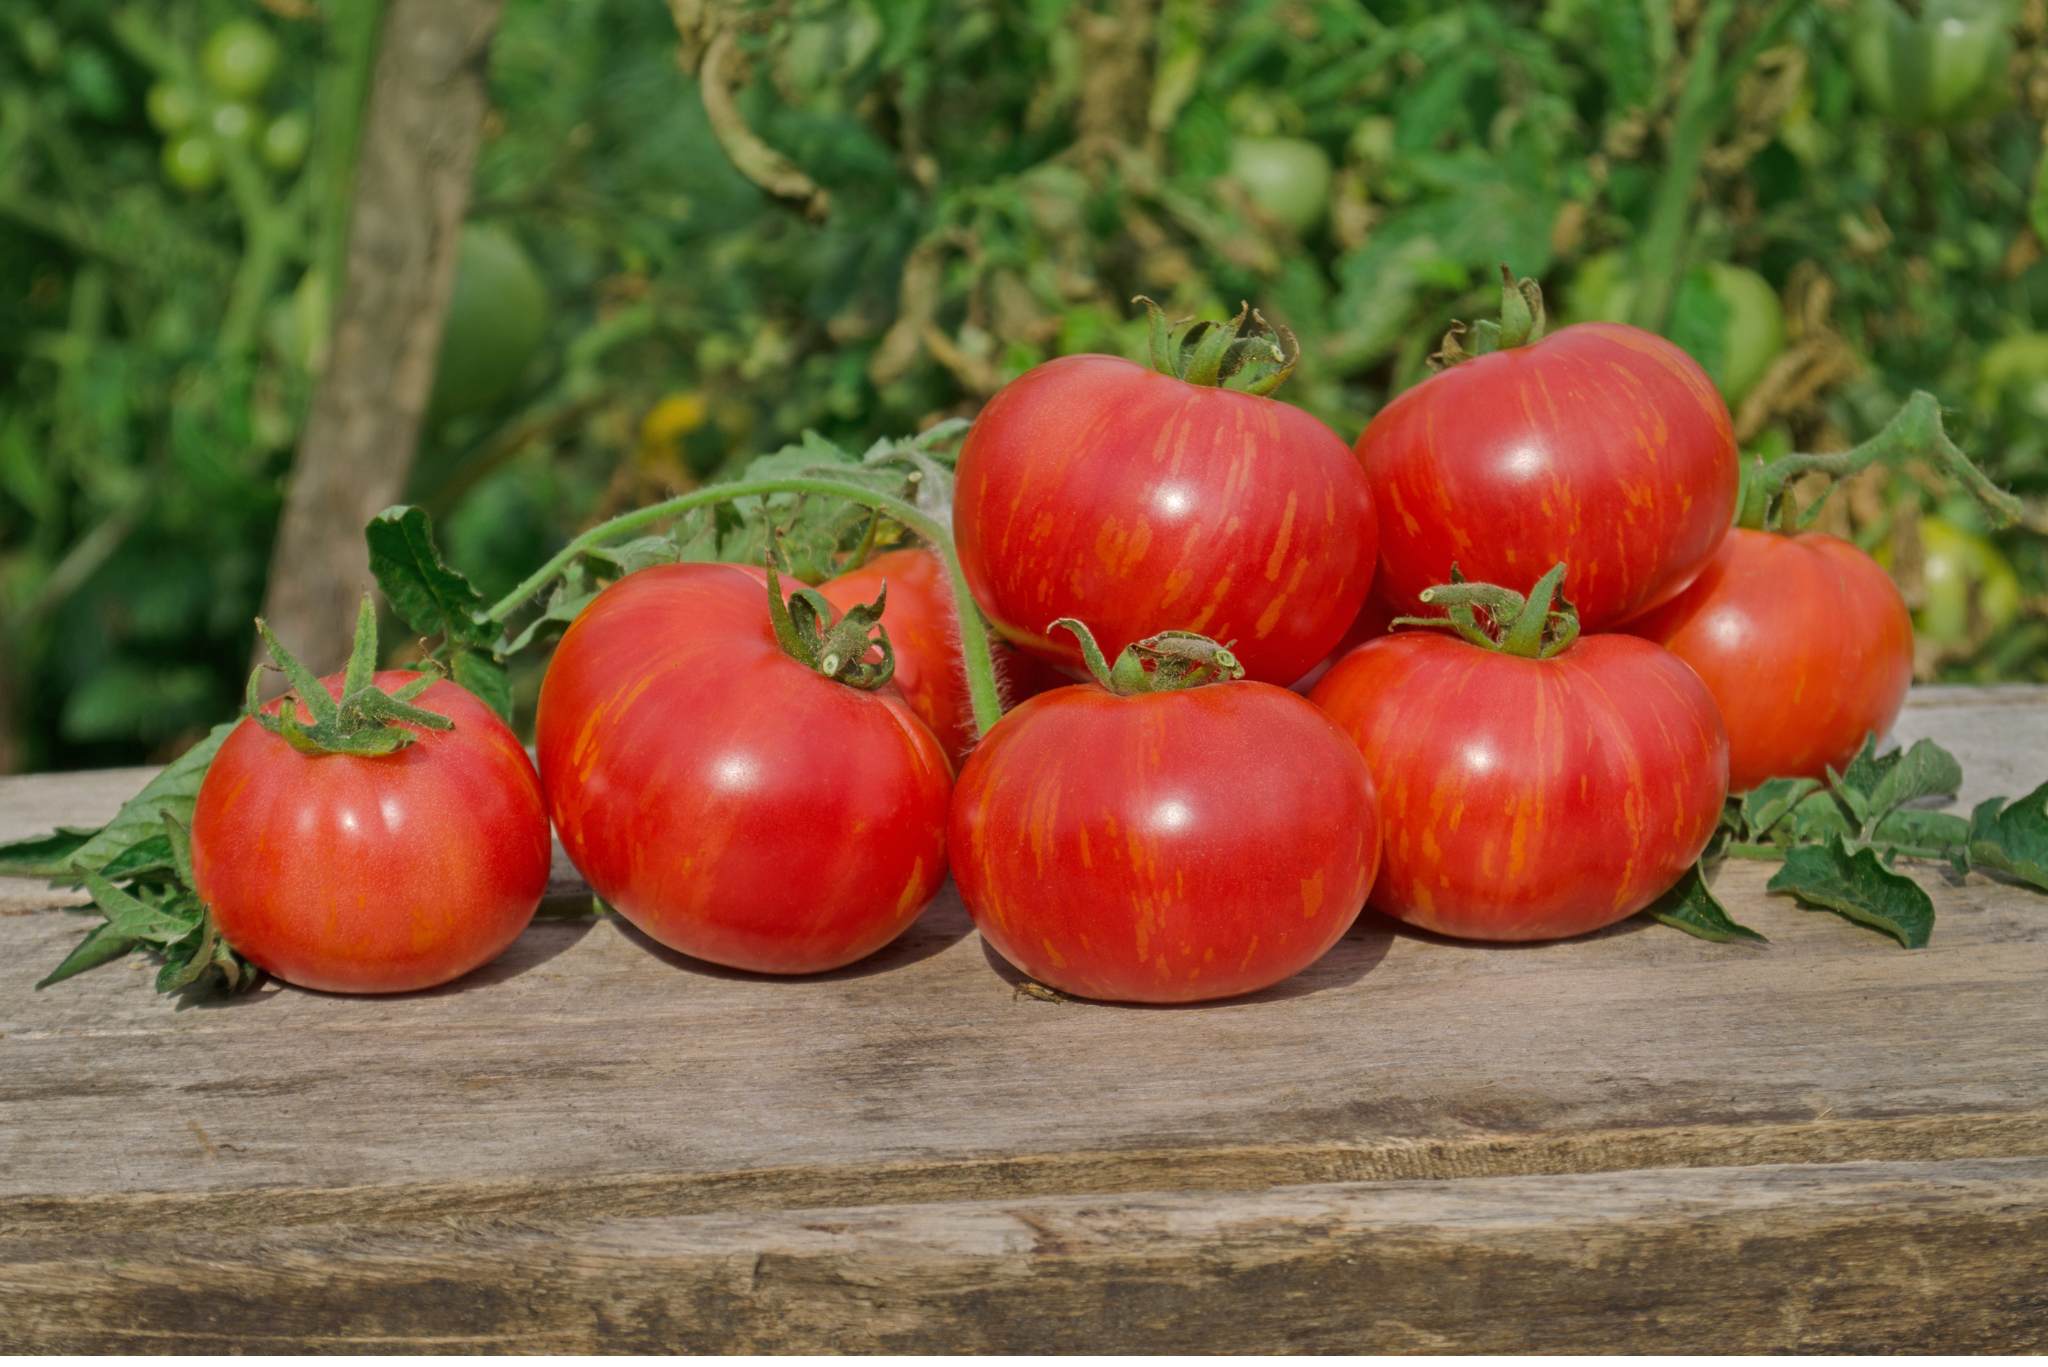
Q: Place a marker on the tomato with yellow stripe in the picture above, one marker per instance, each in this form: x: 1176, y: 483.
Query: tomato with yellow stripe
x: 1534, y: 783
x: 1171, y: 832
x: 1179, y: 496
x: 1601, y: 446
x: 734, y: 773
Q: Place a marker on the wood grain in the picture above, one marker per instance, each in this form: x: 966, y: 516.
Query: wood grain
x: 589, y: 1142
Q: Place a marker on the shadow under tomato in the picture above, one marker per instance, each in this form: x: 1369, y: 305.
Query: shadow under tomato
x: 1349, y: 960
x: 1626, y: 926
x: 941, y: 926
x: 537, y: 944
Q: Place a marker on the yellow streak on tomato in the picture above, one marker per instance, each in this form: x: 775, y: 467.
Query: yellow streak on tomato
x: 909, y: 900
x: 1285, y: 534
x: 1312, y: 894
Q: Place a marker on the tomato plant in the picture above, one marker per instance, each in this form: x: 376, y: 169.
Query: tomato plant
x: 1093, y: 487
x: 370, y: 832
x: 1601, y: 446
x: 1171, y: 833
x: 732, y: 775
x: 1534, y: 783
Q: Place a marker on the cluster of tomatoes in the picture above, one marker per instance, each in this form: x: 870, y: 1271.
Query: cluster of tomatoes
x: 1492, y: 672
x: 224, y: 109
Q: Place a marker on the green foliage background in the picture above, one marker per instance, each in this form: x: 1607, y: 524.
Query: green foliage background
x: 989, y: 186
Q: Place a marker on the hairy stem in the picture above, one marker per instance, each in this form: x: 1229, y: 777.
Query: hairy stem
x: 974, y: 640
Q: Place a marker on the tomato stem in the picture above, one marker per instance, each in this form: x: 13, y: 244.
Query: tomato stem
x: 982, y: 691
x: 1163, y: 663
x: 1915, y: 431
x: 1201, y: 351
x: 1537, y: 626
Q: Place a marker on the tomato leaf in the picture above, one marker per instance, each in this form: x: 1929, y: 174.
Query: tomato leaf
x: 482, y: 674
x: 141, y: 819
x: 1859, y: 887
x: 1924, y: 771
x: 102, y: 944
x: 44, y: 856
x: 1816, y: 817
x: 434, y: 599
x: 1765, y: 805
x: 1918, y: 829
x: 1690, y: 906
x: 2011, y: 836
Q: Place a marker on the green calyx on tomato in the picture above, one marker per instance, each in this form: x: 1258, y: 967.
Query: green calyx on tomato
x: 839, y: 650
x: 1216, y: 355
x: 1164, y: 663
x: 361, y: 721
x: 1536, y: 627
x: 1521, y: 322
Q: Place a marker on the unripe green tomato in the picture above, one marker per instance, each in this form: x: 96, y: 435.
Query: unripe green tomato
x: 285, y: 140
x: 497, y: 319
x: 1747, y: 328
x: 191, y: 162
x: 232, y: 123
x: 1944, y: 64
x: 171, y: 107
x: 239, y: 59
x: 1288, y: 179
x: 1959, y: 570
x: 1754, y: 333
x: 2012, y: 380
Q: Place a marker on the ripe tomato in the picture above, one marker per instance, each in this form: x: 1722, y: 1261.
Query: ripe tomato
x: 1373, y: 620
x: 1530, y: 798
x: 729, y: 800
x: 1166, y: 846
x: 384, y: 873
x: 1096, y: 488
x: 1601, y: 446
x: 1804, y: 642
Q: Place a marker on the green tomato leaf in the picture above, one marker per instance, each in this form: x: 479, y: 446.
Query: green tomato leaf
x: 1926, y: 770
x: 2011, y: 837
x: 102, y: 944
x: 434, y: 599
x: 1690, y: 905
x: 1859, y: 887
x: 1765, y: 805
x: 44, y: 856
x: 1919, y: 829
x: 482, y: 674
x: 133, y: 918
x: 1815, y: 817
x: 141, y: 819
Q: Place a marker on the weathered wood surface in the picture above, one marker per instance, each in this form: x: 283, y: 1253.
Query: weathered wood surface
x: 1637, y: 1140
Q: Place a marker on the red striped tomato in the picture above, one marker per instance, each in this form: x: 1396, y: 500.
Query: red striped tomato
x: 1097, y: 488
x: 1804, y: 642
x: 1525, y: 798
x: 728, y: 799
x: 1164, y: 846
x: 1601, y: 446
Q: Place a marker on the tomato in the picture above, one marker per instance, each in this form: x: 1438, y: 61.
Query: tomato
x: 171, y: 108
x: 1600, y: 445
x: 1804, y: 642
x: 385, y: 873
x: 1287, y: 179
x: 1530, y: 798
x: 2012, y: 382
x: 1967, y: 587
x: 232, y: 123
x: 1374, y: 620
x: 727, y: 798
x: 1945, y: 64
x: 1726, y: 317
x: 1093, y: 487
x: 1168, y: 846
x: 239, y: 59
x: 497, y: 319
x: 192, y: 163
x: 286, y: 139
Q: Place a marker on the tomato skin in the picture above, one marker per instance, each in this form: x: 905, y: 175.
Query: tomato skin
x: 1601, y: 445
x: 925, y: 633
x: 1804, y: 642
x: 389, y: 873
x: 1166, y: 847
x: 1097, y: 488
x: 1530, y: 799
x: 729, y: 801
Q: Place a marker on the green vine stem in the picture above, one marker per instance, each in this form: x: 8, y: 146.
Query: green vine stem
x: 1914, y: 431
x: 982, y: 691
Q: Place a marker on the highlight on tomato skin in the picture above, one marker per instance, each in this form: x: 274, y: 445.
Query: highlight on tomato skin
x: 1530, y: 799
x: 733, y: 803
x: 1167, y: 847
x: 1805, y: 643
x: 1600, y: 445
x: 1098, y: 488
x: 373, y: 874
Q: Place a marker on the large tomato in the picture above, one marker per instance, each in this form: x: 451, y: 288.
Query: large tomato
x: 1805, y: 643
x: 922, y: 626
x: 373, y: 873
x: 726, y: 797
x: 1530, y: 797
x: 1096, y: 488
x: 1601, y: 446
x: 1164, y: 846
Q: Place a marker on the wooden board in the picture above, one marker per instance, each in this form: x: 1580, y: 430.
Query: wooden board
x: 1636, y: 1140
